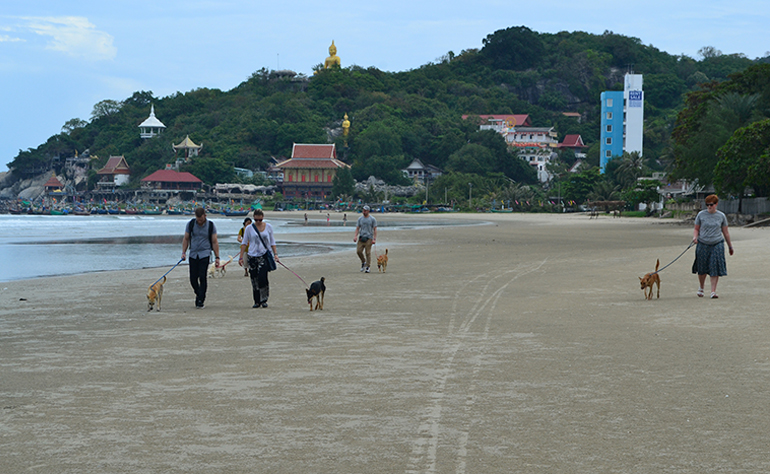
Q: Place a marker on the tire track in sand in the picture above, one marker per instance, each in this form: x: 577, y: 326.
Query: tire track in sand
x: 425, y: 445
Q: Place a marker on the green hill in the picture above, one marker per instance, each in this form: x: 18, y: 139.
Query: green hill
x: 398, y: 116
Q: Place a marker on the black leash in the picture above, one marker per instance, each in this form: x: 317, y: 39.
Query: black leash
x: 677, y: 258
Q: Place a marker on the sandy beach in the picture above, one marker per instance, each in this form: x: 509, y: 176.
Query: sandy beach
x: 520, y: 344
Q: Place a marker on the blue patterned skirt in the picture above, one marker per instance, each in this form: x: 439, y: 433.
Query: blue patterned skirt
x: 710, y: 259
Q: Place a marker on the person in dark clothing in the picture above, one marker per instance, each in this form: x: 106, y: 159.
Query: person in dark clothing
x: 201, y: 238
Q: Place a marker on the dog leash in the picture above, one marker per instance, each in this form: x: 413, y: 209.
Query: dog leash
x: 677, y: 258
x: 177, y: 263
x: 303, y: 281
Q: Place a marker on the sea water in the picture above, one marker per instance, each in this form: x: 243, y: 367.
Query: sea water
x: 40, y: 245
x: 34, y: 246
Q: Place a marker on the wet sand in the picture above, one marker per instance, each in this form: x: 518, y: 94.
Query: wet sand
x: 520, y: 345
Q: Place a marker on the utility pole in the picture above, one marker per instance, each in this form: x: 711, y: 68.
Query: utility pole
x: 470, y: 189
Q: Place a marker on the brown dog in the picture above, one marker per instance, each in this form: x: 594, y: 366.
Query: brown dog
x: 316, y: 290
x: 155, y: 294
x: 650, y: 279
x: 382, y: 262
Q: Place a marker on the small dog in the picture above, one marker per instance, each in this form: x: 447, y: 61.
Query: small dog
x: 382, y: 262
x: 218, y: 271
x: 155, y: 294
x: 650, y: 279
x: 317, y: 290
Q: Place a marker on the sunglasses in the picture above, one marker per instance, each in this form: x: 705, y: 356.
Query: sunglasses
x: 710, y: 204
x: 257, y: 220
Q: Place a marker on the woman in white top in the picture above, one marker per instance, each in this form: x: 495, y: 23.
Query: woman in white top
x: 256, y: 245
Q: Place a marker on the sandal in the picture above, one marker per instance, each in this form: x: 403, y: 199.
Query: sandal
x: 714, y: 295
x: 700, y: 292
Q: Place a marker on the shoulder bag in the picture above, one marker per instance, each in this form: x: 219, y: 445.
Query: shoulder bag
x: 268, y: 255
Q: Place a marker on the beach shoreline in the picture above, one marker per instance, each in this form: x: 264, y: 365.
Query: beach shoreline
x: 520, y: 345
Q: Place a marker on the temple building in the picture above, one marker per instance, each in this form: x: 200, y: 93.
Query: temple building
x: 53, y: 184
x: 151, y: 127
x: 172, y: 180
x: 309, y: 173
x: 189, y: 147
x: 115, y: 172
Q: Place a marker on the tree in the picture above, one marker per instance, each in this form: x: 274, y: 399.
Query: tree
x: 73, y: 124
x: 516, y: 47
x: 646, y: 191
x: 578, y: 186
x: 744, y: 161
x: 211, y: 170
x: 343, y: 183
x: 105, y: 108
x: 471, y: 158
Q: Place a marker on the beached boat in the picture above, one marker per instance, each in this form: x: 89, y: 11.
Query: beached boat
x: 235, y: 213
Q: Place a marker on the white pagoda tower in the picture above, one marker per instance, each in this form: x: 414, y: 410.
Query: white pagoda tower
x: 152, y: 126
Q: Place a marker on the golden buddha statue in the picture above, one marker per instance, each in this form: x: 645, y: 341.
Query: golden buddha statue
x: 345, y: 125
x: 333, y: 59
x: 345, y: 129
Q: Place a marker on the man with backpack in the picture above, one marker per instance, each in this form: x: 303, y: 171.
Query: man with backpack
x: 201, y: 238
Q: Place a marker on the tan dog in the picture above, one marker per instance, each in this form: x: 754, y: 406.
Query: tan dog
x: 219, y: 271
x: 650, y: 279
x: 382, y: 262
x: 155, y: 294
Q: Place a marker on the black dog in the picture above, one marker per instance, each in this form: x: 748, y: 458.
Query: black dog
x: 317, y: 290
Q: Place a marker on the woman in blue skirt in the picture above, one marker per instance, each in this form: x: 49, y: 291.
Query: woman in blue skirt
x: 711, y: 234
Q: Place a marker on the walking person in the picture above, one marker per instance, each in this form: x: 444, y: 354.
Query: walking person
x: 201, y: 238
x: 258, y: 239
x: 710, y: 234
x: 366, y: 235
x: 246, y: 223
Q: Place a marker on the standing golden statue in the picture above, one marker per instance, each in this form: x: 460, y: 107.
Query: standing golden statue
x: 333, y: 59
x: 345, y: 129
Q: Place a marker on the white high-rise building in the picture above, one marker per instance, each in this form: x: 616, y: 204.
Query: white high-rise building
x: 633, y: 96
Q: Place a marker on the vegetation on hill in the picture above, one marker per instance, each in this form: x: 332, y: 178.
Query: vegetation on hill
x: 398, y: 116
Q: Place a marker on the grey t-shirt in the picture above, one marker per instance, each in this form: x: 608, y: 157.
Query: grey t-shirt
x: 200, y: 247
x: 366, y: 226
x: 710, y: 226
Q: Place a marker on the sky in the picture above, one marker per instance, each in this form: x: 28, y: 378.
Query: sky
x: 59, y: 57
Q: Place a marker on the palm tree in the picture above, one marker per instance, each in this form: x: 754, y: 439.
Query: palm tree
x: 631, y: 167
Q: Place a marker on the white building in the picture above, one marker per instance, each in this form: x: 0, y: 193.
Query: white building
x: 537, y: 146
x: 151, y: 126
x: 633, y: 96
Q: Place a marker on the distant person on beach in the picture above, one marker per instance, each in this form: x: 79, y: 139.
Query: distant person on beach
x: 306, y: 218
x: 366, y: 235
x: 328, y: 218
x: 258, y: 239
x: 344, y: 220
x: 246, y: 223
x: 200, y: 237
x: 710, y: 234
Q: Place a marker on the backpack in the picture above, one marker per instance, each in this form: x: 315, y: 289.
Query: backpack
x: 211, y: 230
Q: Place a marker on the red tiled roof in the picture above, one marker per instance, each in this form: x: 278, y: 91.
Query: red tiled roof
x: 115, y: 165
x: 171, y: 176
x: 53, y: 183
x: 573, y: 141
x: 303, y: 151
x: 305, y: 163
x: 521, y: 120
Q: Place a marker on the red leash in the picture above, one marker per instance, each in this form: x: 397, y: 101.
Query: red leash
x: 303, y: 281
